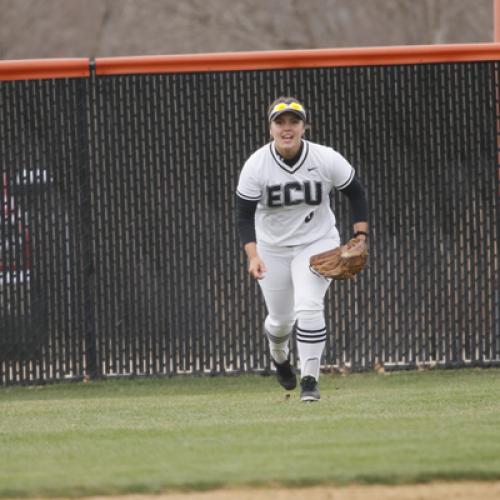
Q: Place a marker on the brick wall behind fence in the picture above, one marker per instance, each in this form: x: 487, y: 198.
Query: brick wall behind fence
x: 118, y: 241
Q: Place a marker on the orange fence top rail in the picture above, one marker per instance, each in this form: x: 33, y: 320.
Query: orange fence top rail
x: 234, y: 61
x: 238, y: 61
x: 37, y: 69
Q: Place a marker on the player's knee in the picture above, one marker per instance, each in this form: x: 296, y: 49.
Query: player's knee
x: 310, y: 320
x: 306, y: 305
x: 279, y: 325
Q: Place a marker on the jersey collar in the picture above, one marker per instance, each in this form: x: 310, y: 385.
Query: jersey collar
x: 280, y: 162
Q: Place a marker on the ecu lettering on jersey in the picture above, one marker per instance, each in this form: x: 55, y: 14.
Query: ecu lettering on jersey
x: 293, y: 201
x: 294, y: 193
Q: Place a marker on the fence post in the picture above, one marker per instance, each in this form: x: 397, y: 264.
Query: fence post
x: 496, y: 39
x: 86, y: 225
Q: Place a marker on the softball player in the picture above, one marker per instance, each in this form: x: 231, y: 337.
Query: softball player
x: 284, y: 217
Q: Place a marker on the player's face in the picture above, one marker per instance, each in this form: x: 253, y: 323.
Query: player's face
x: 287, y: 131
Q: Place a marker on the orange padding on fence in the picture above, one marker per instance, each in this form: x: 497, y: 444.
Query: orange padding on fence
x: 38, y: 69
x: 234, y: 61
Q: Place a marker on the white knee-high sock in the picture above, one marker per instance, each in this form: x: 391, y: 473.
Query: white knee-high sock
x: 278, y: 333
x: 311, y: 338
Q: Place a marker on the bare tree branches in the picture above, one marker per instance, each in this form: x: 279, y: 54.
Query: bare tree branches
x: 74, y: 28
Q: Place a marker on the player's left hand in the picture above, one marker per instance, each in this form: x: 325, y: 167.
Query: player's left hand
x: 342, y: 262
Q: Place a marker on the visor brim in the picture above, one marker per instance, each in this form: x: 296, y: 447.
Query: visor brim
x: 296, y: 112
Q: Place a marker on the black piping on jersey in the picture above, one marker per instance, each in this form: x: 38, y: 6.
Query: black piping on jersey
x: 357, y: 198
x: 347, y: 182
x: 249, y: 198
x: 291, y: 169
x: 290, y: 162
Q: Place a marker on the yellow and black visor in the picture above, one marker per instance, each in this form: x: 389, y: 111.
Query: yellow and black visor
x: 283, y: 107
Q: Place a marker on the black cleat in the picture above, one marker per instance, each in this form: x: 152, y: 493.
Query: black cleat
x: 286, y: 375
x: 309, y: 389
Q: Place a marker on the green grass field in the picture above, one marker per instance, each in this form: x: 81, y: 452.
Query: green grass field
x: 152, y: 435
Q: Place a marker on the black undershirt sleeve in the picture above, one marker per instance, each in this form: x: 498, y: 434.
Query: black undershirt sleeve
x: 357, y: 197
x: 245, y: 213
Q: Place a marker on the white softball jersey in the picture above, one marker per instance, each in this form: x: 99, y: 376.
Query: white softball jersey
x: 293, y: 201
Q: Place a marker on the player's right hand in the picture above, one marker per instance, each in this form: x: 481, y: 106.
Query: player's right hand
x: 256, y: 267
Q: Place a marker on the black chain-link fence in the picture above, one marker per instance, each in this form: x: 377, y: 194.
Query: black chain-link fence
x: 119, y: 253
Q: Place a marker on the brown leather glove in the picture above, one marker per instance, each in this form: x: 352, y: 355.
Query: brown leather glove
x: 342, y: 262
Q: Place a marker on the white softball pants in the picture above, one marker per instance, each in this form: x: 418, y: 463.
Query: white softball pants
x: 295, y: 294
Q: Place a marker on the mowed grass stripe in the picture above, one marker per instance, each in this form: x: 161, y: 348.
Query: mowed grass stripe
x: 148, y: 435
